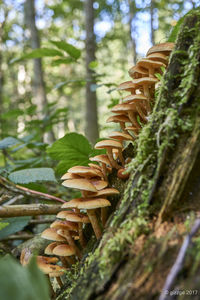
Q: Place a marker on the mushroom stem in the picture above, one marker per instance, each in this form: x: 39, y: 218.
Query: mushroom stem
x: 65, y: 262
x: 123, y: 127
x: 59, y: 281
x: 104, y: 215
x: 81, y: 236
x: 65, y: 233
x: 133, y: 119
x: 95, y: 225
x: 112, y: 161
x: 121, y: 158
x: 104, y: 170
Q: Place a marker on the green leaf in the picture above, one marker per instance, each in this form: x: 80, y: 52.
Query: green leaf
x: 59, y: 61
x: 22, y: 283
x: 3, y: 225
x: 8, y: 142
x: 32, y: 175
x: 71, y: 150
x: 14, y: 225
x: 68, y: 48
x: 13, y: 113
x: 93, y: 64
x: 176, y: 28
x: 38, y: 53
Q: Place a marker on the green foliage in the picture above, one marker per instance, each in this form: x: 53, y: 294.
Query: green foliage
x: 174, y: 32
x: 71, y: 150
x: 68, y: 48
x: 8, y: 142
x: 22, y: 283
x: 12, y: 225
x: 32, y: 175
x: 3, y: 225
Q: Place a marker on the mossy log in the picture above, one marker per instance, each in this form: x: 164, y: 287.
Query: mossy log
x: 161, y: 199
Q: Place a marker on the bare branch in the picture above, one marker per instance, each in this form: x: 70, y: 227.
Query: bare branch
x: 28, y: 210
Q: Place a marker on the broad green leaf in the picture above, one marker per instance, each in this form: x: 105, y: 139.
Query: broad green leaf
x: 59, y: 61
x: 71, y: 150
x: 8, y: 142
x: 38, y: 53
x: 32, y: 175
x: 68, y: 48
x: 22, y: 283
x: 14, y: 225
x: 3, y: 225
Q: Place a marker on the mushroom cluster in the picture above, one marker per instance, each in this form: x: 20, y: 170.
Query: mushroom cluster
x: 131, y: 113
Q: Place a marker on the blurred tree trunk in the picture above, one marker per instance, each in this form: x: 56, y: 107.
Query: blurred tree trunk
x: 152, y: 22
x: 132, y: 29
x: 39, y: 92
x: 91, y: 128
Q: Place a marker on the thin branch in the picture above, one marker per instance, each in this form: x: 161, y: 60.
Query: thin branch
x: 25, y: 191
x: 43, y: 221
x: 28, y: 210
x: 18, y: 237
x: 179, y: 262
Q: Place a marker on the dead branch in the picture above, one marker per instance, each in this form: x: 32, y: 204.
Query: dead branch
x: 18, y: 237
x: 179, y: 262
x: 28, y: 210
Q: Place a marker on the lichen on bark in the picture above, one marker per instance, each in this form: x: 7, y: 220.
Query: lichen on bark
x: 161, y: 197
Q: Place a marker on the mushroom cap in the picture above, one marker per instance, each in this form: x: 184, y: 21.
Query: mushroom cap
x: 159, y: 57
x: 118, y: 118
x: 120, y: 136
x: 136, y: 97
x: 49, y: 268
x: 80, y: 184
x: 75, y: 217
x: 58, y: 224
x: 70, y: 176
x: 127, y: 86
x: 163, y: 47
x: 94, y: 166
x: 148, y: 63
x: 85, y: 171
x: 90, y: 203
x: 137, y: 72
x: 108, y: 144
x: 99, y: 184
x: 145, y: 81
x: 102, y: 158
x: 66, y: 232
x: 47, y: 260
x: 124, y: 107
x: 49, y: 249
x: 52, y: 235
x: 64, y: 250
x: 56, y: 274
x: 104, y: 192
x: 71, y: 204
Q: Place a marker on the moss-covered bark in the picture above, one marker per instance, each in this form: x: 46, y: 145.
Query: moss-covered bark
x: 160, y: 199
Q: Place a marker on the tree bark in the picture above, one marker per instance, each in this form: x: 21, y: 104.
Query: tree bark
x: 143, y: 238
x: 132, y: 29
x: 39, y: 90
x: 91, y: 117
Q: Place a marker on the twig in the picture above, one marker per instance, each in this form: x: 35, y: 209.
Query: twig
x: 28, y: 210
x: 179, y: 262
x: 14, y: 199
x: 44, y: 221
x: 25, y: 191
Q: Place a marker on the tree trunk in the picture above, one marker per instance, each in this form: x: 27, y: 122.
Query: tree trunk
x: 132, y: 29
x: 39, y: 91
x: 161, y: 199
x: 91, y: 118
x: 152, y: 22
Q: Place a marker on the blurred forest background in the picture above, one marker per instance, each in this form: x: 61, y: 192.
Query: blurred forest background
x: 60, y: 64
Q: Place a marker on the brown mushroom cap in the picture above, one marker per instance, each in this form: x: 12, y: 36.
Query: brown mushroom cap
x: 90, y: 203
x: 64, y: 250
x: 135, y: 97
x: 47, y: 260
x: 120, y: 136
x: 124, y: 107
x: 163, y: 47
x: 49, y: 268
x: 99, y: 184
x: 94, y: 166
x: 126, y: 86
x: 75, y: 217
x: 137, y: 72
x: 80, y: 184
x: 145, y: 80
x: 52, y: 235
x: 104, y: 192
x: 49, y: 249
x: 102, y: 158
x: 118, y: 118
x: 148, y: 63
x: 70, y: 176
x: 159, y: 57
x: 71, y: 204
x: 108, y: 144
x: 85, y: 171
x: 58, y: 224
